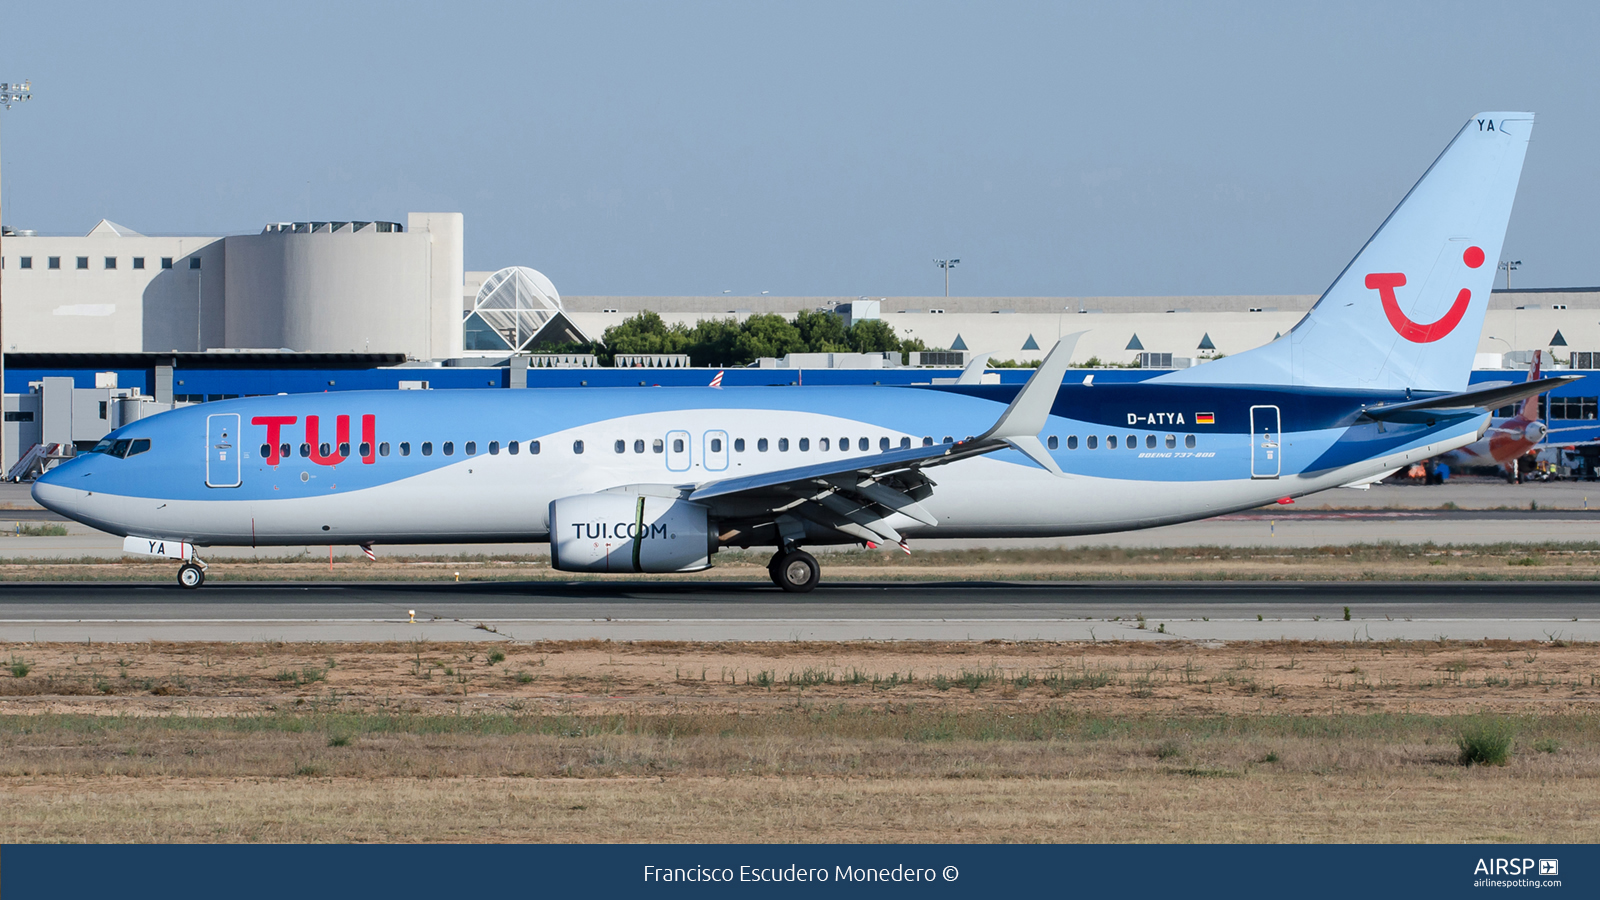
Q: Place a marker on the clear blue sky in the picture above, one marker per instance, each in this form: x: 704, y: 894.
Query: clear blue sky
x: 809, y: 148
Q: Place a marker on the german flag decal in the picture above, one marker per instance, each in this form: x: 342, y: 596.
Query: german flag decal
x: 1204, y: 419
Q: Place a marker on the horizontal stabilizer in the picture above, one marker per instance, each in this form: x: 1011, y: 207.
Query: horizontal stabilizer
x: 1483, y: 398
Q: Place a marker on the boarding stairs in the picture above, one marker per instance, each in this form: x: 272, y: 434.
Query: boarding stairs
x: 39, y: 458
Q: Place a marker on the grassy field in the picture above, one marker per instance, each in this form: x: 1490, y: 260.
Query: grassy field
x: 594, y: 741
x: 1359, y: 562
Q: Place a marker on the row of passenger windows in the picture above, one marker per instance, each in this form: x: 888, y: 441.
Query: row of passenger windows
x: 1132, y: 442
x: 54, y: 262
x: 658, y: 445
x: 448, y: 448
x: 763, y: 444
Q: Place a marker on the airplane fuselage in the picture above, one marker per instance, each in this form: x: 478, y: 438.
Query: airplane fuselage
x: 484, y: 466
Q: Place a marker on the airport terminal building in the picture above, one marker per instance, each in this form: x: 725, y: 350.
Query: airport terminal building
x: 106, y: 327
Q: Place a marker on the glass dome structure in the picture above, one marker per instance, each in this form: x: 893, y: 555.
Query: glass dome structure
x: 516, y: 311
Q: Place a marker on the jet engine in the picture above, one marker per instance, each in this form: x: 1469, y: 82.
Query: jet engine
x: 621, y: 532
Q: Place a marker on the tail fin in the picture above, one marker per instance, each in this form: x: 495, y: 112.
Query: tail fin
x: 1407, y: 312
x: 1530, y: 406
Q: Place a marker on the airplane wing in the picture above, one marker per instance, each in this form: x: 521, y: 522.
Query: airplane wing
x: 1490, y: 397
x: 856, y: 495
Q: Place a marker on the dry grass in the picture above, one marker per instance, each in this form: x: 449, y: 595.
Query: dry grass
x: 1281, y: 741
x: 1361, y: 562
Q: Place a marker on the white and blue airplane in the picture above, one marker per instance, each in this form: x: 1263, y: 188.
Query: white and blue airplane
x: 658, y: 479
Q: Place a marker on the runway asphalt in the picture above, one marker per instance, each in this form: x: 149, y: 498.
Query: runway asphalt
x: 1210, y: 611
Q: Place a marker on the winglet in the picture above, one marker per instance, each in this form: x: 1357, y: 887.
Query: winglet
x: 1028, y: 413
x: 973, y: 373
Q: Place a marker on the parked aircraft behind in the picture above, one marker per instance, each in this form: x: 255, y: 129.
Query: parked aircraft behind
x: 1509, y: 438
x: 658, y: 479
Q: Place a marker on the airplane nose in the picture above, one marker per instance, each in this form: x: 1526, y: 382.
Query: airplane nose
x: 51, y: 494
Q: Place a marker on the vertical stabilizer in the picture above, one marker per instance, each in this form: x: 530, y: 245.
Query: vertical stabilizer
x: 1407, y: 312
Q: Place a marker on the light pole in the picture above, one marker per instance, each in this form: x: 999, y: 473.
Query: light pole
x: 946, y: 265
x: 1508, y: 266
x: 10, y: 92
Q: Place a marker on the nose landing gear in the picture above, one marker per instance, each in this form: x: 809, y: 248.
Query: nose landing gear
x: 794, y: 570
x: 191, y: 576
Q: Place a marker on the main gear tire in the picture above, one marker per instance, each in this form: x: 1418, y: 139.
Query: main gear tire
x: 796, y: 571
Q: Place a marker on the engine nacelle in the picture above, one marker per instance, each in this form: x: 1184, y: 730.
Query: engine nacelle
x: 629, y: 533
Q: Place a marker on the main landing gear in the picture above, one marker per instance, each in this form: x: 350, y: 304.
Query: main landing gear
x: 191, y: 576
x: 794, y: 570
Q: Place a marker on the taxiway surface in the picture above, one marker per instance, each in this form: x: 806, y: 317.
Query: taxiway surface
x: 118, y: 612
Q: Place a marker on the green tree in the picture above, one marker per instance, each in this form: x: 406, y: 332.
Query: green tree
x: 822, y: 332
x: 873, y: 336
x: 642, y: 333
x: 769, y: 334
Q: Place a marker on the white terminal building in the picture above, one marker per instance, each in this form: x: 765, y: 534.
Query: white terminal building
x: 375, y: 287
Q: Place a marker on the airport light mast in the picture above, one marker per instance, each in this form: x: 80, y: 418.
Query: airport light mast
x: 1508, y: 266
x: 946, y: 265
x: 10, y: 93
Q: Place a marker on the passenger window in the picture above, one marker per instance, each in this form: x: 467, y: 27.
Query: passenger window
x: 677, y: 445
x: 658, y: 446
x: 305, y: 450
x: 883, y: 443
x: 1053, y: 443
x: 365, y: 450
x: 139, y: 446
x: 822, y: 443
x: 344, y: 450
x: 427, y: 448
x: 805, y: 444
x: 844, y: 445
x: 866, y: 444
x: 638, y: 446
x: 533, y: 447
x: 266, y: 451
x: 383, y: 449
x: 472, y: 448
x: 738, y: 445
x: 1072, y: 442
x: 285, y: 450
x: 1111, y: 442
x: 494, y: 448
x: 577, y: 446
x: 716, y: 445
x: 1093, y: 442
x: 620, y: 446
x: 761, y: 445
x: 1172, y: 441
x: 512, y: 448
x: 449, y: 448
x: 927, y: 442
x: 949, y: 440
x: 905, y: 443
x: 1188, y: 441
x: 1133, y: 442
x: 1150, y: 441
x: 405, y: 448
x: 324, y: 450
x: 783, y: 445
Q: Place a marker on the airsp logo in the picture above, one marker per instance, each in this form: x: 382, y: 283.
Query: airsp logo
x: 1500, y: 866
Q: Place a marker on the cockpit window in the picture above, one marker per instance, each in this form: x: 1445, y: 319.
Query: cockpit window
x: 122, y: 448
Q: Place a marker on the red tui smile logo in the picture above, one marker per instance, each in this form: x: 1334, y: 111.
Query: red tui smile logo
x: 1385, y: 283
